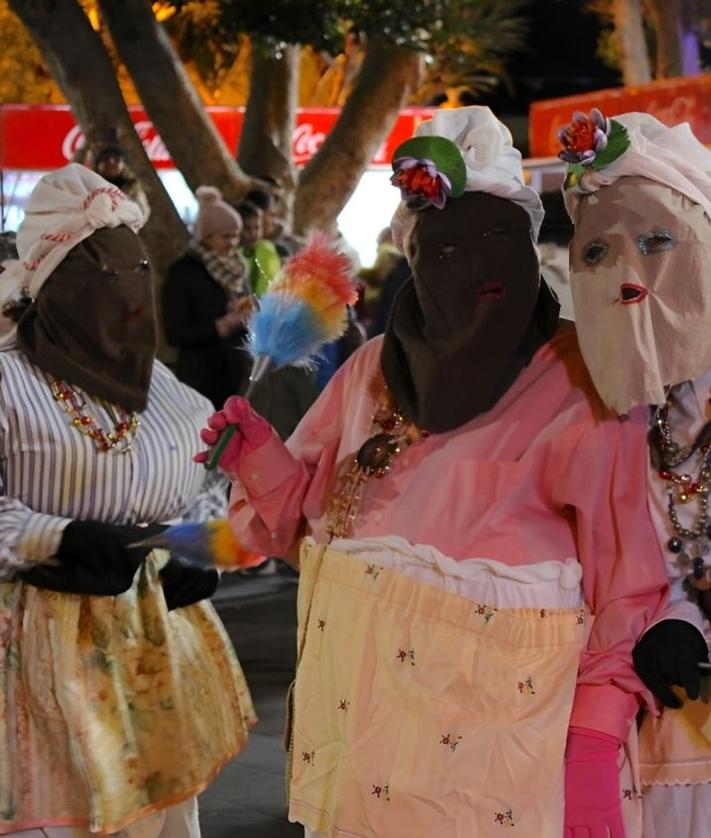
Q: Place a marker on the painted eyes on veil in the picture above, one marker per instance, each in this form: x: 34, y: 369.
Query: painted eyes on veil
x: 656, y: 241
x: 595, y: 252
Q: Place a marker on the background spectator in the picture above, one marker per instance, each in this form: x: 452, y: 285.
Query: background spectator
x: 260, y: 254
x: 206, y: 300
x: 111, y: 163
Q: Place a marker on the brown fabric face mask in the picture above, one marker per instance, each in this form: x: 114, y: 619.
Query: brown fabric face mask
x: 471, y: 317
x: 93, y: 322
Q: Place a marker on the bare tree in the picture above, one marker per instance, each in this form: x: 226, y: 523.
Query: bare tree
x: 171, y: 100
x: 386, y: 79
x: 81, y: 67
x: 632, y: 47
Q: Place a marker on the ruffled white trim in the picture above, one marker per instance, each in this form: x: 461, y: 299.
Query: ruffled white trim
x: 548, y: 584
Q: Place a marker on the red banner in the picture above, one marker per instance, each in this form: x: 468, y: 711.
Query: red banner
x: 43, y: 137
x: 672, y: 101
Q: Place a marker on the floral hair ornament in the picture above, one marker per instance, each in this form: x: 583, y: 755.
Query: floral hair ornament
x: 428, y: 171
x: 590, y: 143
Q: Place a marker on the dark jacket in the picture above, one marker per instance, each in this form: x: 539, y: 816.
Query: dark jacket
x: 192, y: 301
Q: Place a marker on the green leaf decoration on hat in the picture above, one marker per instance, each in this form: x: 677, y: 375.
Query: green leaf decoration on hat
x: 428, y: 171
x: 445, y: 154
x: 618, y: 142
x: 591, y: 142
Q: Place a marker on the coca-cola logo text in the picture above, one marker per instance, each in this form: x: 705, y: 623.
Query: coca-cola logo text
x: 306, y: 142
x: 154, y: 146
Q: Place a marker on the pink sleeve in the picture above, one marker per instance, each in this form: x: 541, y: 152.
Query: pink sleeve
x: 266, y: 503
x: 604, y: 479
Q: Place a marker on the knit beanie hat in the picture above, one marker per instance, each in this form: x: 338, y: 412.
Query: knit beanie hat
x: 214, y: 215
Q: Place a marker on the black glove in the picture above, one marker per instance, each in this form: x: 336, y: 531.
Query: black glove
x: 94, y: 558
x: 670, y: 653
x: 185, y: 584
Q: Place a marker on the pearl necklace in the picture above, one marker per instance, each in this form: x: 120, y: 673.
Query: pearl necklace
x: 120, y: 439
x: 690, y: 544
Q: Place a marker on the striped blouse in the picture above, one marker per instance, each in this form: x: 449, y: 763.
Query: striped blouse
x: 51, y: 473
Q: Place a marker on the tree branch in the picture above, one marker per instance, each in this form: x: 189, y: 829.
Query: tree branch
x: 81, y: 67
x: 629, y: 32
x: 171, y: 99
x: 265, y: 146
x: 387, y: 76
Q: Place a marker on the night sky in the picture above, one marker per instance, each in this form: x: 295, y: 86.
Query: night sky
x: 559, y: 58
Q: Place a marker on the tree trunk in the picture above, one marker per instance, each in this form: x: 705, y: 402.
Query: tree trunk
x: 385, y: 81
x: 81, y: 67
x: 171, y: 100
x: 265, y: 146
x: 667, y: 17
x: 629, y: 32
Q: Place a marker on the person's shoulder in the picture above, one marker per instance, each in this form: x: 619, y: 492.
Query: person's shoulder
x: 566, y: 364
x: 561, y: 355
x: 187, y: 262
x: 558, y: 368
x: 267, y: 246
x: 361, y: 365
x: 21, y: 381
x: 368, y: 353
x: 15, y: 362
x: 165, y: 381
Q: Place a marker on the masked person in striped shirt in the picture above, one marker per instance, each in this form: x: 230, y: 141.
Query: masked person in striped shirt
x: 120, y: 696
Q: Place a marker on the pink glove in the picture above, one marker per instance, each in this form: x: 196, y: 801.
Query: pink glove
x: 252, y: 432
x: 592, y: 785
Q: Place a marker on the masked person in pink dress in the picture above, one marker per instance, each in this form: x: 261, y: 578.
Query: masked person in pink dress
x: 639, y: 193
x: 461, y: 500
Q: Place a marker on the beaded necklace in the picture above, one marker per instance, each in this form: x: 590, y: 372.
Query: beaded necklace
x: 692, y: 543
x: 391, y: 433
x: 125, y: 427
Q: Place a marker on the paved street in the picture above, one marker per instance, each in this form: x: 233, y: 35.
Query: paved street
x: 248, y: 799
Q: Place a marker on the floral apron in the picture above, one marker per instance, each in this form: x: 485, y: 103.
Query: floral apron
x: 418, y: 712
x: 112, y: 707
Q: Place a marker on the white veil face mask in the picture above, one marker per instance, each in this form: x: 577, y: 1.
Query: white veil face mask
x: 641, y: 283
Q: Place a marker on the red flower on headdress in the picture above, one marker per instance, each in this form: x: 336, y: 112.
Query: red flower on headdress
x: 584, y: 138
x: 420, y: 183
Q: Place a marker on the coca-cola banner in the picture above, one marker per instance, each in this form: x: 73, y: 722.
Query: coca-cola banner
x: 672, y: 101
x: 38, y: 137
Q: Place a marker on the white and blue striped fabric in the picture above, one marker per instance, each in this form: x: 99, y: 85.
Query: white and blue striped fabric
x: 50, y: 473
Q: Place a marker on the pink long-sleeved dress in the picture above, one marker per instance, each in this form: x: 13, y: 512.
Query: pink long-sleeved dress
x: 547, y: 475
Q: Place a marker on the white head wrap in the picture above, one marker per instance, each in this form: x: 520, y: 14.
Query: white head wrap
x: 493, y: 165
x: 671, y: 156
x: 65, y: 207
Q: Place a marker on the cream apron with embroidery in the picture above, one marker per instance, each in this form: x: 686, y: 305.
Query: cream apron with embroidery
x: 112, y: 707
x: 418, y: 712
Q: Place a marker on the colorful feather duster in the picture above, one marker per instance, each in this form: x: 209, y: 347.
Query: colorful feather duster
x: 211, y: 544
x: 304, y: 308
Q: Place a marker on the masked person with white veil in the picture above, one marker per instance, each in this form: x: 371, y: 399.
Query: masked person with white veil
x: 120, y: 695
x: 639, y: 194
x: 459, y: 495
